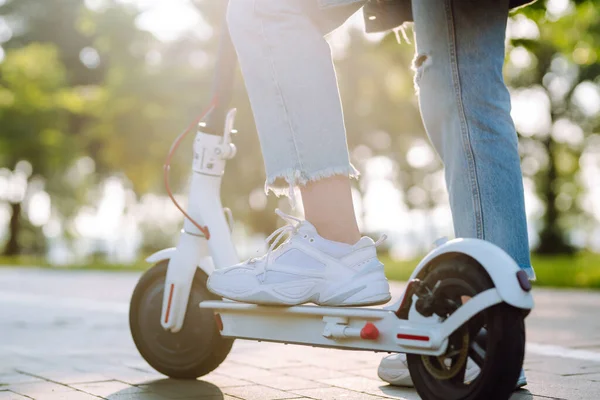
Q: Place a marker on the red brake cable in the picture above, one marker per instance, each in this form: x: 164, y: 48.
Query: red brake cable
x: 167, y: 166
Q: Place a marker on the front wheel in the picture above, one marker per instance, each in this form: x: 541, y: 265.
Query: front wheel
x: 494, y: 340
x: 194, y: 351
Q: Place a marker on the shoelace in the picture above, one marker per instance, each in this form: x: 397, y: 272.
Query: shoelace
x: 381, y: 239
x: 290, y: 229
x: 276, y: 237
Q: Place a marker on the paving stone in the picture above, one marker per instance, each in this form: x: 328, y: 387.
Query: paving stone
x: 220, y: 397
x: 98, y: 356
x: 526, y: 395
x: 177, y: 389
x: 284, y: 382
x: 72, y: 395
x: 333, y: 393
x: 282, y: 359
x: 372, y: 386
x: 69, y: 377
x: 8, y: 395
x: 564, y: 366
x: 257, y: 392
x: 132, y: 376
x: 557, y: 312
x: 587, y: 344
x: 39, y: 389
x: 369, y: 373
x: 103, y: 389
x: 555, y: 386
x: 16, y: 377
x: 242, y: 371
x: 141, y: 396
x: 224, y: 381
x: 340, y: 361
x: 594, y: 377
x: 356, y: 383
x: 314, y: 373
x: 395, y: 392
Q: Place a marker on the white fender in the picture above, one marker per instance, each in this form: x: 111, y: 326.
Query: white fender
x: 161, y: 255
x: 183, y: 264
x: 166, y: 254
x: 498, y: 264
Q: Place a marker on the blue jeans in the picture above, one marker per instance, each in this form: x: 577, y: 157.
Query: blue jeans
x: 465, y: 105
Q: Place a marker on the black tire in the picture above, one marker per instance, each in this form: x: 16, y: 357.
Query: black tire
x: 498, y: 330
x: 197, y: 349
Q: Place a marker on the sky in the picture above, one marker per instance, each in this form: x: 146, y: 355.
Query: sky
x: 167, y: 20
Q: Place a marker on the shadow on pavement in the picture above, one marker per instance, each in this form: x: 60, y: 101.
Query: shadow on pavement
x: 399, y: 392
x: 410, y: 393
x: 169, y: 388
x: 522, y: 394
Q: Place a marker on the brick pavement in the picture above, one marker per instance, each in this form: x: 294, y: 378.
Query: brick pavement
x: 80, y: 348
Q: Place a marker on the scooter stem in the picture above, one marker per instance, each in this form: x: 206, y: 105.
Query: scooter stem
x: 210, y: 155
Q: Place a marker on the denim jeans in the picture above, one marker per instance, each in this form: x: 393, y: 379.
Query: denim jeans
x: 465, y: 104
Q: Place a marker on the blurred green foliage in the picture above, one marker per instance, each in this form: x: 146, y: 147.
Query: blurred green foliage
x: 564, y: 57
x: 581, y: 270
x: 86, y: 95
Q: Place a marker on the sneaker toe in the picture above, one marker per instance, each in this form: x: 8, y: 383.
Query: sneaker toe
x: 232, y: 281
x: 394, y: 370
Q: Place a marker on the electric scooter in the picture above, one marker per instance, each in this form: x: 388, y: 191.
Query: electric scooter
x: 466, y: 299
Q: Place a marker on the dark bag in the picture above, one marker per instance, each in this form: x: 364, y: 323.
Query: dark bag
x: 383, y: 15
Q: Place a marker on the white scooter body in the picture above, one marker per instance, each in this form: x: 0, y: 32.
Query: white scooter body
x: 377, y: 329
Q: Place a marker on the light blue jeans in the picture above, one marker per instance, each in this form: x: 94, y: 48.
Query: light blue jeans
x: 465, y: 105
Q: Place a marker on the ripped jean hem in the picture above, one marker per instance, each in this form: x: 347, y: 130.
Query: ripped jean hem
x: 295, y: 177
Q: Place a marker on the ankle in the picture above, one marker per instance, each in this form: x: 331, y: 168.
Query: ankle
x: 341, y: 233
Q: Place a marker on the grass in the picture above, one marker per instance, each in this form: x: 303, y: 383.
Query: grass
x: 580, y: 271
x: 37, y: 262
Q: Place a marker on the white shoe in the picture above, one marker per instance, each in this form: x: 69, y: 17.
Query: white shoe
x: 522, y: 380
x: 306, y: 268
x: 394, y: 370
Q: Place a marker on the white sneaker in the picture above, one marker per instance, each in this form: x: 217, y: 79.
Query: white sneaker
x: 306, y: 268
x: 522, y: 380
x: 394, y: 370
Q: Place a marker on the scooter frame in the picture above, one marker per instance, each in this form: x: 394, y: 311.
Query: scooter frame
x: 352, y: 328
x: 376, y: 329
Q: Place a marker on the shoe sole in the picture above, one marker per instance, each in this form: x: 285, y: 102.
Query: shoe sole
x: 365, y: 292
x: 391, y: 376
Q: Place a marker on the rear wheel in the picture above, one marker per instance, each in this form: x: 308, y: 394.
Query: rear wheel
x: 494, y: 339
x: 194, y: 351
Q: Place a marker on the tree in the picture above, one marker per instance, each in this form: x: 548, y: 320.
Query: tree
x: 556, y: 59
x: 35, y: 106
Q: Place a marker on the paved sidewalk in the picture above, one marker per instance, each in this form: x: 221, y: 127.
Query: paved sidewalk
x: 64, y: 335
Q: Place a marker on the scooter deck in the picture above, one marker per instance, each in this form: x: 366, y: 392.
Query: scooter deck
x: 372, y: 329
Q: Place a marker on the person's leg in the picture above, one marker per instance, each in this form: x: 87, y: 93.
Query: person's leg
x: 289, y: 74
x: 291, y: 81
x: 465, y: 106
x: 328, y: 206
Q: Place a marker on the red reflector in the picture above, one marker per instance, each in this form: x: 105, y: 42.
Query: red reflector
x: 369, y: 332
x: 413, y: 337
x: 169, y: 304
x: 219, y: 321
